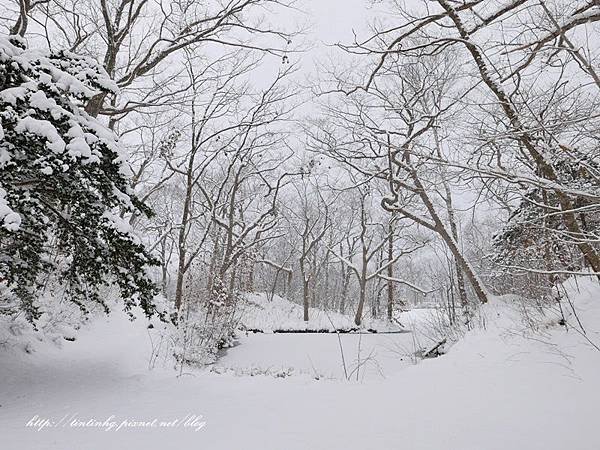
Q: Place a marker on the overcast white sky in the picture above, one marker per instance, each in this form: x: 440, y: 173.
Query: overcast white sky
x: 335, y: 19
x: 328, y: 22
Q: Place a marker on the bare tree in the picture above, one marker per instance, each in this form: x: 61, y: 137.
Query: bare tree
x: 371, y: 241
x: 139, y: 41
x: 219, y: 160
x: 387, y: 134
x: 528, y: 134
x: 313, y: 222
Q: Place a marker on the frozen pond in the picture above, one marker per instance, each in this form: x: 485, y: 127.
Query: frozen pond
x: 366, y: 356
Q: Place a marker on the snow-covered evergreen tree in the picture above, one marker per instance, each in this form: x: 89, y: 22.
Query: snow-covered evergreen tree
x: 536, y: 237
x: 63, y: 186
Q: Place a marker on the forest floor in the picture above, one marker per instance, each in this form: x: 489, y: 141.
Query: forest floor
x: 498, y: 388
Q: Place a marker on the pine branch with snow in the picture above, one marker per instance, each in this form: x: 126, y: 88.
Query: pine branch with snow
x: 64, y: 186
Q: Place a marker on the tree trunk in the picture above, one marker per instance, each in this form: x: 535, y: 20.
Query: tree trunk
x: 361, y: 302
x: 213, y: 262
x: 305, y: 296
x: 440, y: 228
x: 179, y: 284
x: 181, y: 265
x: 390, y: 272
x: 464, y: 265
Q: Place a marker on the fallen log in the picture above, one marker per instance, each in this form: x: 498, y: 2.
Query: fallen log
x: 436, y: 350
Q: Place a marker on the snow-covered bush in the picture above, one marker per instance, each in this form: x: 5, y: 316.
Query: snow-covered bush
x: 64, y: 187
x: 200, y: 335
x: 206, y: 323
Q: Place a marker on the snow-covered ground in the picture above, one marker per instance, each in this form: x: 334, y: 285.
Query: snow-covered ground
x: 261, y: 313
x: 499, y: 388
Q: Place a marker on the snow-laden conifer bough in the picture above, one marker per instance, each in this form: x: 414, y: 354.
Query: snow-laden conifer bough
x: 63, y: 186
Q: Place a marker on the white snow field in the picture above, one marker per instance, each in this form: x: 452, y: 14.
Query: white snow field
x: 498, y: 388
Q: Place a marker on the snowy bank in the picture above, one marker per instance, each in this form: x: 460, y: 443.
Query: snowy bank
x: 258, y: 312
